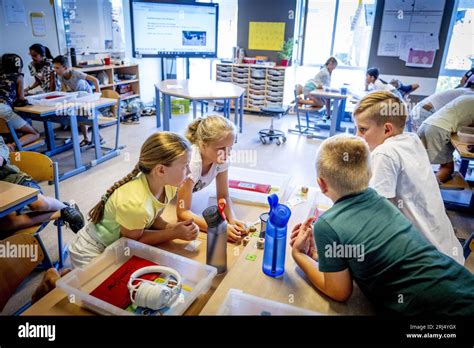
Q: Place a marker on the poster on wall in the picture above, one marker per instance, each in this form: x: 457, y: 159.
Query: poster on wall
x: 267, y: 36
x: 14, y: 11
x: 410, y: 27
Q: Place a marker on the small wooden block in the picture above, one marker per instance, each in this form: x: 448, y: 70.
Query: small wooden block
x: 260, y: 243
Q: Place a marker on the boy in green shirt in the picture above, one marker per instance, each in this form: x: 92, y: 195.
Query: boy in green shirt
x: 366, y: 238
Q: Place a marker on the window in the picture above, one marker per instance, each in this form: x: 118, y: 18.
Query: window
x: 459, y: 56
x: 461, y: 47
x: 340, y: 28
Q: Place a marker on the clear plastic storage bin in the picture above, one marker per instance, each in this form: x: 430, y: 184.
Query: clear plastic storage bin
x: 80, y: 282
x: 238, y: 303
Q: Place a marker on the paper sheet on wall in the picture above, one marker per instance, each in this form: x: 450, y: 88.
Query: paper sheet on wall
x: 420, y: 58
x: 38, y: 23
x: 411, y: 25
x: 267, y: 36
x: 389, y: 44
x: 14, y: 11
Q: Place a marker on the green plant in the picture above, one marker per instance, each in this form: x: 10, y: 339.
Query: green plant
x: 287, y: 50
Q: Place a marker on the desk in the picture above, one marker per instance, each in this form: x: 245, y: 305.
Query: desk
x: 13, y: 197
x: 456, y: 193
x: 71, y: 114
x: 198, y: 90
x: 339, y: 108
x: 466, y: 156
x: 292, y: 288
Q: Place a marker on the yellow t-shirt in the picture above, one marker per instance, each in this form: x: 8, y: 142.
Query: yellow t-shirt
x: 132, y: 206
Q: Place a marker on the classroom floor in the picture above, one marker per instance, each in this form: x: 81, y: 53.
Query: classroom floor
x: 296, y: 158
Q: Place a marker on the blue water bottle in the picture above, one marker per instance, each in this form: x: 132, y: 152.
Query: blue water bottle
x: 275, y: 238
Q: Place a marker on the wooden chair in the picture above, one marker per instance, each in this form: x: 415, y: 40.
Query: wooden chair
x: 7, y: 128
x: 106, y: 121
x: 41, y: 168
x: 469, y: 246
x: 13, y: 271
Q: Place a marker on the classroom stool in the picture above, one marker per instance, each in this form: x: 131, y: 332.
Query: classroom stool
x: 272, y: 133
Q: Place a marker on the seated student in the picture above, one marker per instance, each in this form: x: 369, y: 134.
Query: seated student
x: 132, y: 206
x: 374, y: 83
x: 435, y: 102
x: 41, y: 69
x: 435, y: 132
x: 401, y: 170
x: 11, y: 94
x: 366, y: 238
x: 212, y: 139
x: 43, y: 209
x: 75, y: 81
x: 321, y: 80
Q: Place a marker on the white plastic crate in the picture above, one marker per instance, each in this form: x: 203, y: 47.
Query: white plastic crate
x: 238, y: 303
x: 81, y: 281
x: 62, y: 97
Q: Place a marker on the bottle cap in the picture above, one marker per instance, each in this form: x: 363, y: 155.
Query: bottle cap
x: 212, y: 216
x: 279, y: 213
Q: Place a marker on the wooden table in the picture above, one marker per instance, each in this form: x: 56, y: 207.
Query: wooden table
x: 457, y: 192
x: 71, y: 114
x: 339, y: 102
x: 198, y: 90
x: 466, y: 156
x: 292, y: 288
x: 14, y: 197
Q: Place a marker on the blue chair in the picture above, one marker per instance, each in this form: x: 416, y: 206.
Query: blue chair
x: 307, y: 116
x: 7, y: 128
x: 469, y: 246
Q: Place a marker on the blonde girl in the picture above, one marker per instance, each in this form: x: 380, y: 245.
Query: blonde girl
x: 212, y: 139
x: 132, y: 207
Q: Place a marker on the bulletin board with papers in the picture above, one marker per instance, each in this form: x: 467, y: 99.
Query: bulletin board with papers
x: 410, y: 31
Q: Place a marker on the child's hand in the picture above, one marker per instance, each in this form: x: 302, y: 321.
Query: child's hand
x: 233, y: 233
x: 294, y: 233
x: 186, y: 230
x: 239, y: 225
x: 302, y: 242
x: 312, y: 250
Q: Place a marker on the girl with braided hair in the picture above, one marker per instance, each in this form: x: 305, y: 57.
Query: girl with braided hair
x: 132, y: 206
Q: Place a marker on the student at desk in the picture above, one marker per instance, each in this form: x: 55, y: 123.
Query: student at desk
x: 435, y: 132
x: 374, y: 83
x: 321, y: 80
x: 41, y: 69
x: 43, y: 209
x: 11, y: 95
x: 366, y: 238
x: 75, y: 81
x: 435, y: 102
x: 212, y: 139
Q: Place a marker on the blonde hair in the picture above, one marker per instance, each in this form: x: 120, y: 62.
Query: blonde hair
x: 383, y: 107
x: 206, y: 130
x: 160, y: 148
x: 343, y: 161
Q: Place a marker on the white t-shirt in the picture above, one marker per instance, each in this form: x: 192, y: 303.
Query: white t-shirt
x: 380, y: 86
x: 195, y: 166
x: 323, y: 77
x: 440, y: 99
x: 458, y: 113
x: 401, y: 171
